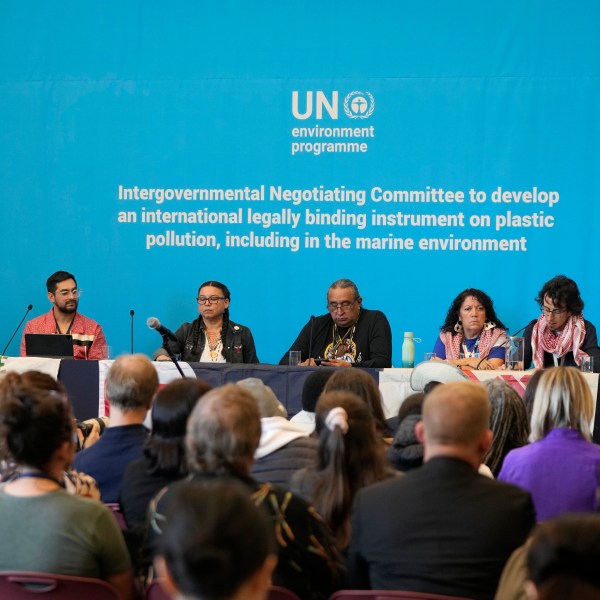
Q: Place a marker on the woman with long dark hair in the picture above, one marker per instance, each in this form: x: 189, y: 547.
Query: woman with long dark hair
x: 472, y: 336
x: 350, y: 457
x: 212, y: 337
x: 164, y: 451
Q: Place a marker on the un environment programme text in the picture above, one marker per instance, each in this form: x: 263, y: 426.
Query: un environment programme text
x: 376, y: 219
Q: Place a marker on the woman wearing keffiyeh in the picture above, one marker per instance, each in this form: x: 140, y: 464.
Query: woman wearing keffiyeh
x: 472, y: 336
x: 560, y: 336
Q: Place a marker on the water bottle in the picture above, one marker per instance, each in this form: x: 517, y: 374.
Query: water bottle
x: 408, y: 351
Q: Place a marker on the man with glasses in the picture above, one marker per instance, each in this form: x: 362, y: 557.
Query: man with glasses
x: 89, y: 342
x: 560, y: 336
x: 348, y: 336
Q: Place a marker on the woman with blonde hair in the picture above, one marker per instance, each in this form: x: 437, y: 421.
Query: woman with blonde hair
x: 561, y: 467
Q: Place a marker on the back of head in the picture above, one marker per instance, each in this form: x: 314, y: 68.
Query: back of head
x: 171, y: 408
x: 563, y: 557
x: 562, y: 399
x: 530, y: 390
x: 223, y: 432
x: 33, y: 422
x: 350, y: 455
x: 313, y: 387
x: 359, y: 382
x: 508, y: 423
x: 268, y: 405
x: 456, y: 414
x: 131, y: 382
x: 215, y: 539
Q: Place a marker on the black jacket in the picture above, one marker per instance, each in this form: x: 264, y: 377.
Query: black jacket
x: 239, y: 343
x: 373, y: 339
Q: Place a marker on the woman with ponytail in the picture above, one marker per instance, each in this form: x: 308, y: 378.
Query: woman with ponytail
x: 212, y: 337
x: 350, y: 457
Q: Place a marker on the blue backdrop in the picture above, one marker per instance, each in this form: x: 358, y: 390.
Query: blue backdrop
x: 204, y: 99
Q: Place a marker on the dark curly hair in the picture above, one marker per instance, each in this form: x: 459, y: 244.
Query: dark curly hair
x: 563, y: 292
x: 453, y: 314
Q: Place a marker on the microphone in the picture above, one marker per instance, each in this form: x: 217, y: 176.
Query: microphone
x: 17, y: 329
x: 131, y: 313
x: 312, y: 323
x: 154, y: 323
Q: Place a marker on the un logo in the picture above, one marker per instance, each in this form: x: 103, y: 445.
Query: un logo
x: 359, y: 105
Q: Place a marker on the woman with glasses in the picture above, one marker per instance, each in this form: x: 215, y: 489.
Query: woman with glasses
x: 472, y: 336
x: 212, y: 337
x: 560, y: 336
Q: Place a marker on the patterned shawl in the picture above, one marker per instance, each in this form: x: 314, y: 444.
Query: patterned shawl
x: 569, y: 339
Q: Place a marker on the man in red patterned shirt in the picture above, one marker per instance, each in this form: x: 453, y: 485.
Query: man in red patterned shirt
x: 89, y: 342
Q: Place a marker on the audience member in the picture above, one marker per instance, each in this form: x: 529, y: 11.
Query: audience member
x: 530, y: 390
x: 350, y: 457
x: 89, y: 342
x: 43, y: 528
x: 131, y: 383
x: 508, y: 422
x: 406, y: 451
x: 217, y: 545
x: 563, y: 559
x: 311, y: 390
x: 283, y: 448
x: 441, y: 528
x: 561, y: 467
x: 163, y: 459
x: 76, y: 483
x: 362, y: 384
x: 222, y: 436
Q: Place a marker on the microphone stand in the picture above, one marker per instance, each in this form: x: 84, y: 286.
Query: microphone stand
x: 171, y: 355
x: 131, y: 313
x: 17, y: 329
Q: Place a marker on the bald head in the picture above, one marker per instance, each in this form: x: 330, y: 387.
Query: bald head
x: 456, y: 418
x: 131, y: 382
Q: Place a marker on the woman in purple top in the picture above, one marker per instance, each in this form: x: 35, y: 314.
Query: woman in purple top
x: 561, y: 467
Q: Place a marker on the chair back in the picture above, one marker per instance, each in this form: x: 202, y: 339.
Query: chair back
x: 280, y: 593
x: 116, y: 510
x: 390, y: 595
x: 17, y: 585
x: 155, y: 591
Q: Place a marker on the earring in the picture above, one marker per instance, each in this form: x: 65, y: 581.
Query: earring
x: 458, y: 327
x: 489, y: 325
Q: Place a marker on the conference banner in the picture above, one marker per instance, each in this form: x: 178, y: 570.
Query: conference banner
x: 415, y: 148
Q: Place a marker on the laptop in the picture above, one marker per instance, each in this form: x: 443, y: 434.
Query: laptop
x: 49, y: 345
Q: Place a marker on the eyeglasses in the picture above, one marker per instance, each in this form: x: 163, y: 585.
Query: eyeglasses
x: 556, y: 312
x: 209, y: 299
x: 64, y: 293
x: 335, y: 306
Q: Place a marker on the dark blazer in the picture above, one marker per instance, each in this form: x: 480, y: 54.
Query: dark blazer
x: 589, y: 346
x: 442, y: 528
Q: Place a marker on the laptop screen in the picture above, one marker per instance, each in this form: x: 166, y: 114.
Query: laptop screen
x: 49, y: 345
